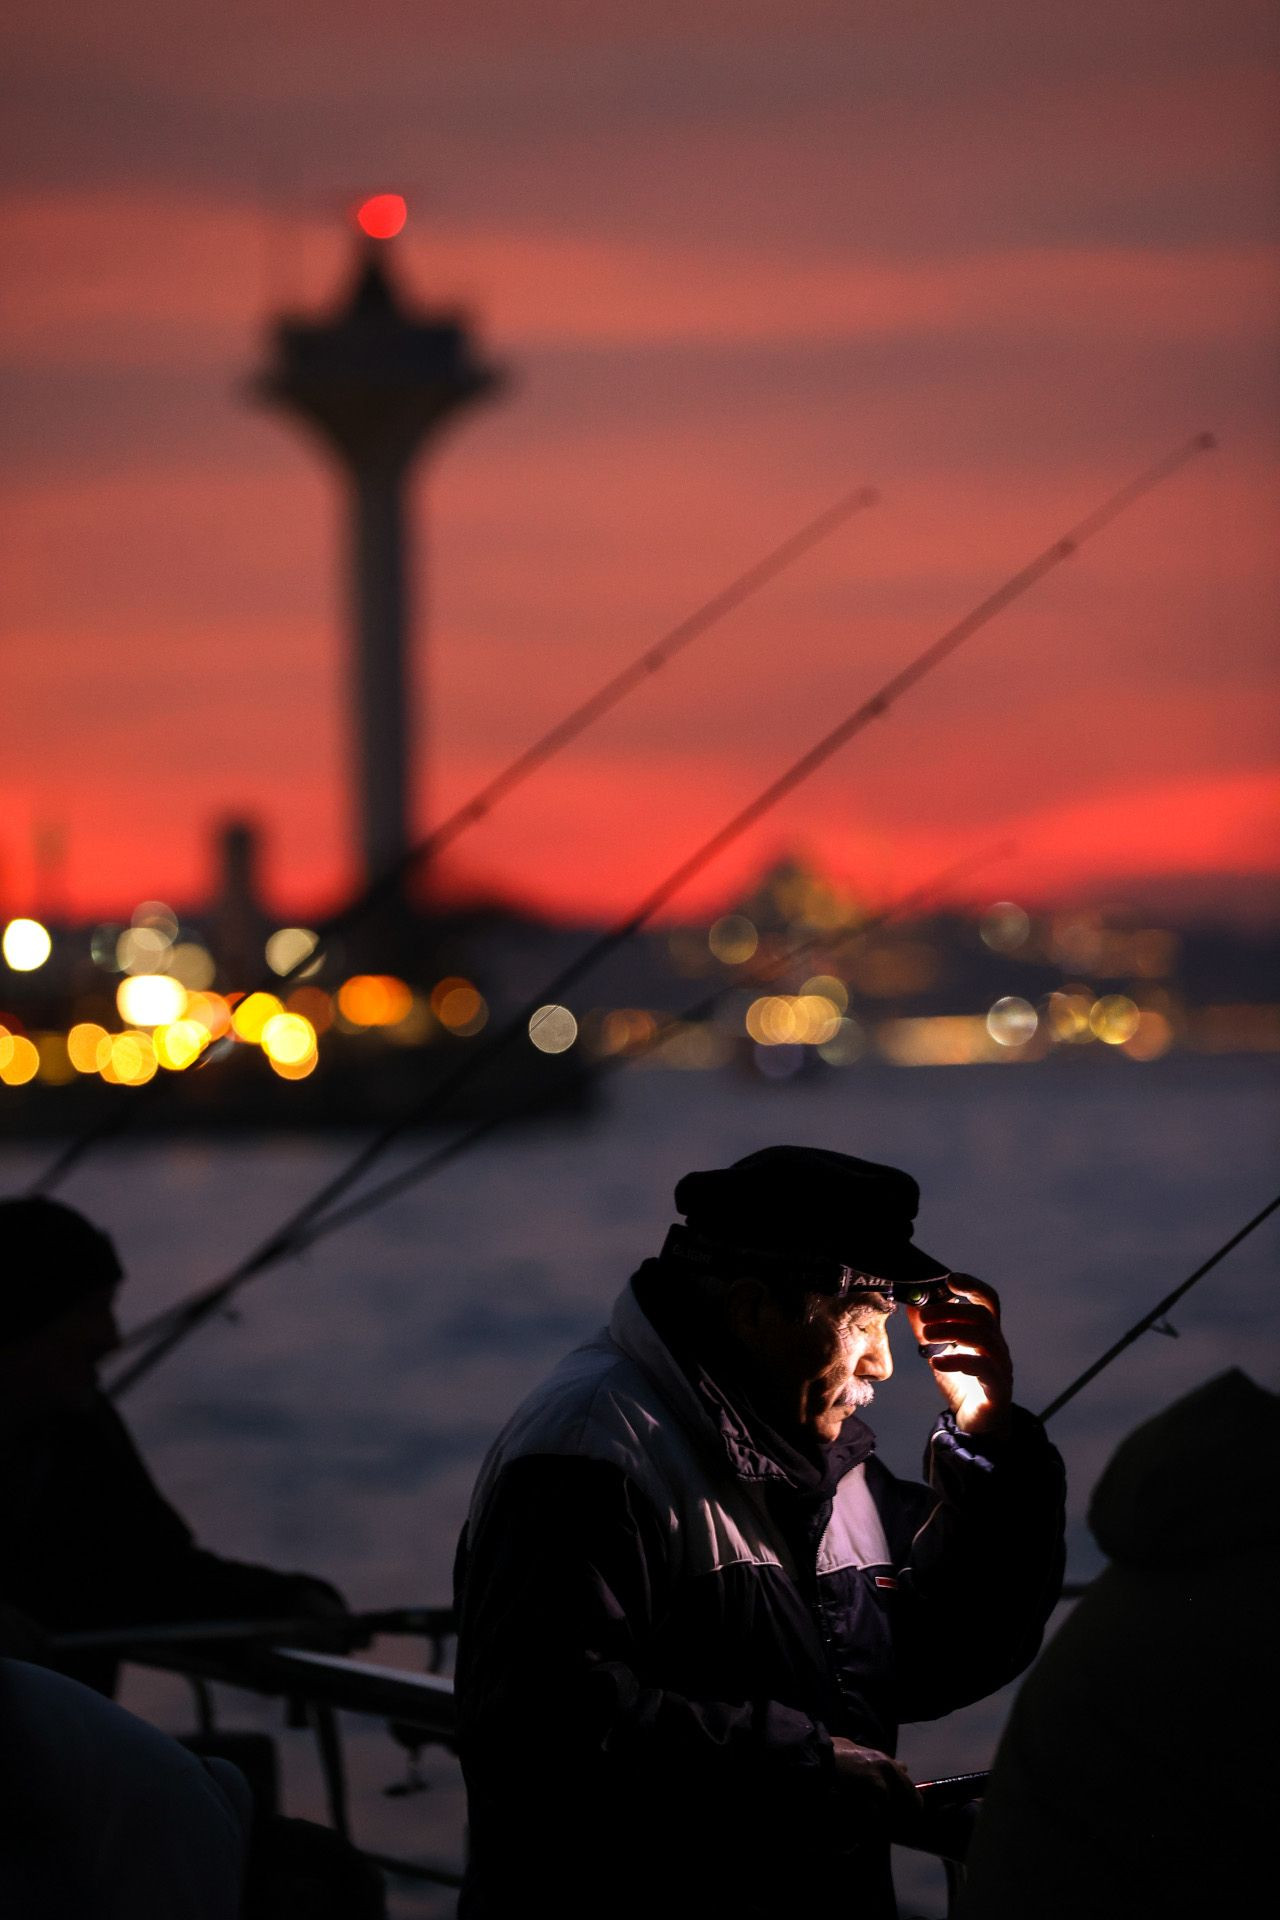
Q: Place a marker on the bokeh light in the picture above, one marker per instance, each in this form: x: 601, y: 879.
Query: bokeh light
x: 1004, y: 927
x: 150, y: 999
x: 553, y: 1029
x: 462, y: 1010
x: 377, y: 999
x: 192, y: 964
x: 142, y: 950
x: 847, y: 1044
x: 19, y: 1060
x: 830, y: 989
x: 1114, y: 1019
x: 733, y: 939
x: 626, y: 1030
x: 289, y: 946
x: 127, y: 1059
x: 180, y: 1045
x: 1068, y: 1016
x: 82, y: 1045
x: 382, y: 216
x: 1012, y: 1021
x: 1152, y: 1036
x: 211, y: 1011
x: 26, y: 945
x: 250, y: 1016
x: 288, y: 1039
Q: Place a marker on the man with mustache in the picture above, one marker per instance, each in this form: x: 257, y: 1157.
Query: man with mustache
x: 695, y: 1606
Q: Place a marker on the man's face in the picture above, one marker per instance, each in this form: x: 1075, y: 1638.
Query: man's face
x: 817, y: 1370
x: 55, y: 1369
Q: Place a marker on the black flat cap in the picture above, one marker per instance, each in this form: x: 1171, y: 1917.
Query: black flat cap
x: 812, y: 1201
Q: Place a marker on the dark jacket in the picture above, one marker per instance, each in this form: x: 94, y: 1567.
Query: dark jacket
x: 87, y: 1540
x: 661, y: 1628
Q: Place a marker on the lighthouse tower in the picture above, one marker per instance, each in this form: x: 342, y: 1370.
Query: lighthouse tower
x: 376, y: 378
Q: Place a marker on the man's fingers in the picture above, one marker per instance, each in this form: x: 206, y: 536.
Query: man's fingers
x: 967, y: 1287
x: 989, y: 1372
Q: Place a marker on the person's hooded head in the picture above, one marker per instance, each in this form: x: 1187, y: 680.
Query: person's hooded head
x: 58, y: 1278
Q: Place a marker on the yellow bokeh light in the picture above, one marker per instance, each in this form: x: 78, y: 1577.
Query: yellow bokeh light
x: 19, y: 1061
x: 462, y: 1010
x: 289, y: 946
x: 288, y: 1039
x: 769, y: 1020
x: 211, y: 1012
x: 180, y: 1044
x: 378, y: 999
x: 82, y: 1045
x: 817, y: 1019
x: 127, y: 1059
x: 1114, y: 1019
x: 733, y: 939
x: 150, y: 999
x: 1012, y: 1021
x: 6, y: 1047
x: 251, y: 1015
x: 830, y: 988
x: 26, y: 945
x: 553, y: 1029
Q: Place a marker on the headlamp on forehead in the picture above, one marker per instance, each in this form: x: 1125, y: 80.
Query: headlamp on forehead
x: 805, y: 1272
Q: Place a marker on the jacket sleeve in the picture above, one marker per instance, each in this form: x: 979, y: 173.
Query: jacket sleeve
x: 140, y: 1557
x: 562, y: 1590
x: 982, y: 1571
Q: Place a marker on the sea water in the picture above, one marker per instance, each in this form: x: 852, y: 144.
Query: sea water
x: 336, y: 1423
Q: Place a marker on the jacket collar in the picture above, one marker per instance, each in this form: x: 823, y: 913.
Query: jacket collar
x: 723, y: 1419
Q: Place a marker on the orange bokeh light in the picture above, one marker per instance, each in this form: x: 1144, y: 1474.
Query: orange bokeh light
x: 382, y: 215
x: 374, y: 1000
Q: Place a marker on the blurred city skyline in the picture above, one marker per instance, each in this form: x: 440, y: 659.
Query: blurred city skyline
x: 993, y: 263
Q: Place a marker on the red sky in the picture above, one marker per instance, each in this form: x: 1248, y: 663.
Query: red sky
x: 992, y: 259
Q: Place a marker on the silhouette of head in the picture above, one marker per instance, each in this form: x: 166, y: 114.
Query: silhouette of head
x: 58, y: 1277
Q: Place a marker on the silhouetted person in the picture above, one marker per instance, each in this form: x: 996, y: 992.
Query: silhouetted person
x: 694, y: 1606
x: 102, y: 1817
x: 1138, y: 1773
x: 86, y: 1539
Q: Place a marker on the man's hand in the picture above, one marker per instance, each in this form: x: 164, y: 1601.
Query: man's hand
x: 876, y: 1789
x: 975, y: 1374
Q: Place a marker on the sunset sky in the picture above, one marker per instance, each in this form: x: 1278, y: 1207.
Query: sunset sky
x: 736, y: 258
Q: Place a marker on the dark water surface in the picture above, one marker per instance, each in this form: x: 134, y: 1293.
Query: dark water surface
x: 337, y: 1423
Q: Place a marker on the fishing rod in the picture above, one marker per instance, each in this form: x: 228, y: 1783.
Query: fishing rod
x: 513, y: 775
x: 168, y: 1328
x: 879, y: 704
x: 1155, y: 1319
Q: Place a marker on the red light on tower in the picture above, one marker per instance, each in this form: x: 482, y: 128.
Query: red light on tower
x: 382, y: 215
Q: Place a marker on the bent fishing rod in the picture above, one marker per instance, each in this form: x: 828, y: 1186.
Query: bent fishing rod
x: 166, y: 1330
x: 1156, y: 1319
x: 530, y: 761
x: 278, y: 1244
